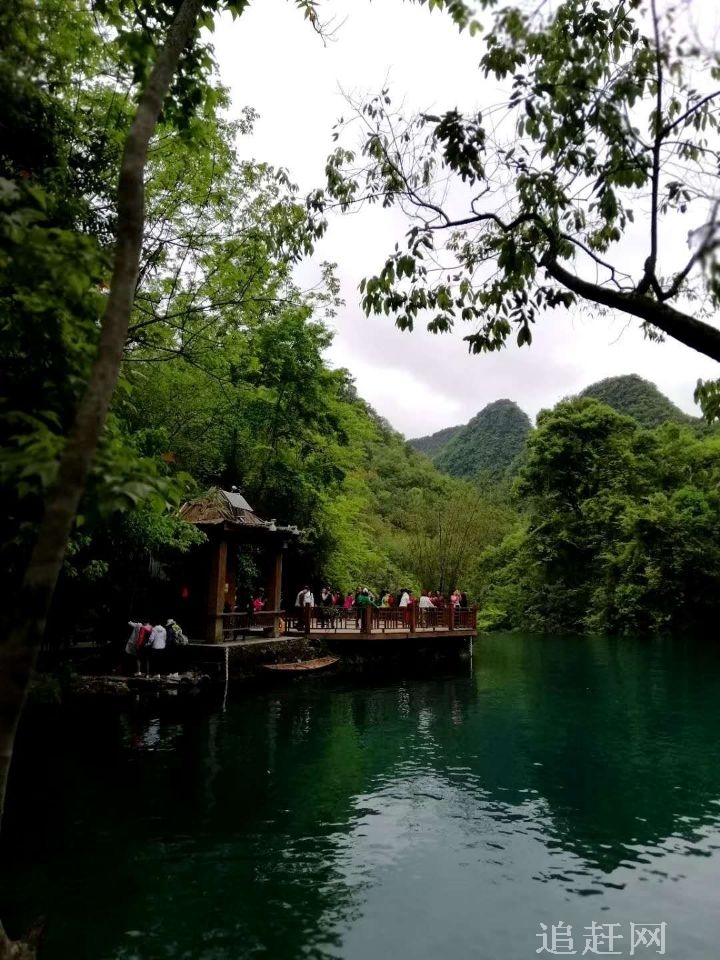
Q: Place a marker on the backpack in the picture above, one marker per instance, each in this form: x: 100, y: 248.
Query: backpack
x: 175, y: 634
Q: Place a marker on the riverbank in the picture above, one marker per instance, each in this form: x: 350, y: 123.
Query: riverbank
x: 99, y: 672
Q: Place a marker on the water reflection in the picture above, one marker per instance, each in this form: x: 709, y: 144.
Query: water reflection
x: 569, y: 779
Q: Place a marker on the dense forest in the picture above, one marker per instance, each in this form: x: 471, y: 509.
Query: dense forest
x: 616, y: 515
x: 618, y: 532
x: 637, y: 398
x: 485, y: 447
x: 223, y: 379
x: 489, y: 443
x: 433, y: 443
x: 594, y: 520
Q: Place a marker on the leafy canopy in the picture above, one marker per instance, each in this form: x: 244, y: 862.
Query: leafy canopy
x: 526, y: 206
x: 620, y: 528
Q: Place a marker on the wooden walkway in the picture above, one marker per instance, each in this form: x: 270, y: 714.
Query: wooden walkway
x: 364, y: 623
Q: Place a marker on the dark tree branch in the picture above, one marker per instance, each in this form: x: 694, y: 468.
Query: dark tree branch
x: 593, y: 256
x: 669, y: 127
x: 693, y: 333
x: 711, y: 243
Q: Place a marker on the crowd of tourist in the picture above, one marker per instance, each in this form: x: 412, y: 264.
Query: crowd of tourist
x: 151, y: 649
x: 362, y: 596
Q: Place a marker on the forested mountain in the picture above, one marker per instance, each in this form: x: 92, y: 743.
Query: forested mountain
x: 620, y: 528
x: 488, y: 444
x: 494, y: 436
x: 435, y: 442
x: 637, y: 398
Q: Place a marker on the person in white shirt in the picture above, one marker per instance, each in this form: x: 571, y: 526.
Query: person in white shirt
x: 131, y: 647
x: 158, y: 643
x: 404, y: 606
x: 305, y: 598
x: 303, y: 601
x: 425, y: 603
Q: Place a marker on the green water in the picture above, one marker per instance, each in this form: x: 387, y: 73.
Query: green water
x: 558, y: 780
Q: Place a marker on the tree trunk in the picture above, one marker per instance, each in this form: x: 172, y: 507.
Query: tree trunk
x: 19, y: 649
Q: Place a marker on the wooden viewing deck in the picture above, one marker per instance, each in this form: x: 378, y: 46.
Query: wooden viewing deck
x: 357, y: 623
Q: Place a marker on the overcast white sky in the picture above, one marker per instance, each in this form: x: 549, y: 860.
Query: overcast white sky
x: 273, y: 61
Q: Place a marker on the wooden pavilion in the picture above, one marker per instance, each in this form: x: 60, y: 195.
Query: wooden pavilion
x: 230, y: 523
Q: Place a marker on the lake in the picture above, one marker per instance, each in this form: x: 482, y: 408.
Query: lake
x: 551, y: 781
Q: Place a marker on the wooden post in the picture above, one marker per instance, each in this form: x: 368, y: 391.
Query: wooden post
x: 307, y: 616
x: 366, y: 612
x: 274, y: 589
x: 231, y: 574
x: 412, y: 617
x: 450, y: 617
x: 216, y: 591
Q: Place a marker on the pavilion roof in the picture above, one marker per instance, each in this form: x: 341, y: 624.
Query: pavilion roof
x: 228, y: 508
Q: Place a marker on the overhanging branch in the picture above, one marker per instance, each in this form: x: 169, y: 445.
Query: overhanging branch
x: 678, y: 325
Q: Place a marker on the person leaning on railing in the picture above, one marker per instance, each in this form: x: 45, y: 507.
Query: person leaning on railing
x: 362, y: 600
x: 365, y: 598
x: 424, y: 604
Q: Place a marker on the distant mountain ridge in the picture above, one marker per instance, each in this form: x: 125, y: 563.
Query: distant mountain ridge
x: 637, y: 398
x: 433, y: 443
x: 495, y: 436
x: 487, y: 444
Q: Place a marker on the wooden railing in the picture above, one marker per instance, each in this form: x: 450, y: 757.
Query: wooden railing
x: 361, y: 620
x: 237, y: 626
x: 370, y: 619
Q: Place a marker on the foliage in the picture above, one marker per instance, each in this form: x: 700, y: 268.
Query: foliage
x: 482, y: 449
x: 376, y: 502
x: 637, y: 398
x: 53, y: 267
x: 220, y: 238
x: 707, y: 394
x: 498, y: 582
x: 224, y: 379
x: 494, y: 438
x: 488, y: 444
x: 620, y: 528
x: 449, y: 532
x: 396, y: 520
x: 610, y: 109
x: 434, y: 442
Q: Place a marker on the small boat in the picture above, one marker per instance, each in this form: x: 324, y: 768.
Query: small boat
x: 301, y: 666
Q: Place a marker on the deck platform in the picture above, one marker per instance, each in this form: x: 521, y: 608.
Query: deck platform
x: 380, y: 635
x: 364, y: 624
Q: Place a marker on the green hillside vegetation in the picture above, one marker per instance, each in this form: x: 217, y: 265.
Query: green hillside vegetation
x: 610, y: 525
x: 397, y: 519
x: 488, y: 444
x: 493, y: 436
x: 435, y: 442
x: 619, y: 533
x: 635, y: 397
x: 223, y: 380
